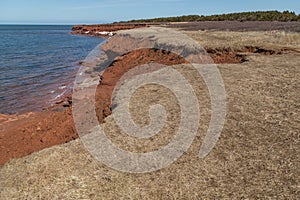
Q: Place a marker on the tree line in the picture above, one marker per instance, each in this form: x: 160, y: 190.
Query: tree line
x: 284, y: 16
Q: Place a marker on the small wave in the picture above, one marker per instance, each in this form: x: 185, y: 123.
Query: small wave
x: 62, y: 87
x: 38, y: 68
x: 60, y: 95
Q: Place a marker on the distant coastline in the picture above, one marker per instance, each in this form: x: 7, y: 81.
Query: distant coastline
x: 98, y: 29
x: 242, y: 21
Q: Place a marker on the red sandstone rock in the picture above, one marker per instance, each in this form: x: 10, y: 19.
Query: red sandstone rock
x: 103, y: 29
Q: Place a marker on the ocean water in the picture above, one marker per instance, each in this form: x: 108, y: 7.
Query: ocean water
x: 38, y: 64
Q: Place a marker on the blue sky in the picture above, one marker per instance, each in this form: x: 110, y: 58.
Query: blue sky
x: 103, y: 11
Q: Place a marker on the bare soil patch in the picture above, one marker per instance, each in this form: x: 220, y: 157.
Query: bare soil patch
x: 239, y: 55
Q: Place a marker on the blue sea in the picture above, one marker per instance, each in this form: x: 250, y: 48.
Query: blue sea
x: 38, y: 64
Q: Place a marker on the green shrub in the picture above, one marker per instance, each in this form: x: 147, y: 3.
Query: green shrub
x: 243, y: 16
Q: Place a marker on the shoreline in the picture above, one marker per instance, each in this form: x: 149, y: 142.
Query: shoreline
x: 38, y: 64
x: 103, y: 30
x: 107, y: 30
x: 33, y: 131
x: 29, y: 132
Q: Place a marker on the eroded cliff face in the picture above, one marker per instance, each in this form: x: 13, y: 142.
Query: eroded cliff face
x: 103, y: 29
x: 24, y: 134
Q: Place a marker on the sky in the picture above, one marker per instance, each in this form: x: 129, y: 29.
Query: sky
x: 106, y: 11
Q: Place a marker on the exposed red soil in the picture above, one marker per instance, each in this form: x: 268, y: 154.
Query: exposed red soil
x: 124, y: 63
x: 226, y: 55
x: 23, y: 134
x: 229, y: 55
x: 93, y: 30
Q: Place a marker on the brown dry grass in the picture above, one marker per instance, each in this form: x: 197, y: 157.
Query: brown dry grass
x: 268, y: 39
x: 257, y: 155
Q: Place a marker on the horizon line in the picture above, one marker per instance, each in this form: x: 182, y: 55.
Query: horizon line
x: 138, y: 18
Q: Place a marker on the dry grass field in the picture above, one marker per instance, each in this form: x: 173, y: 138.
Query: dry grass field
x: 265, y: 39
x: 256, y: 157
